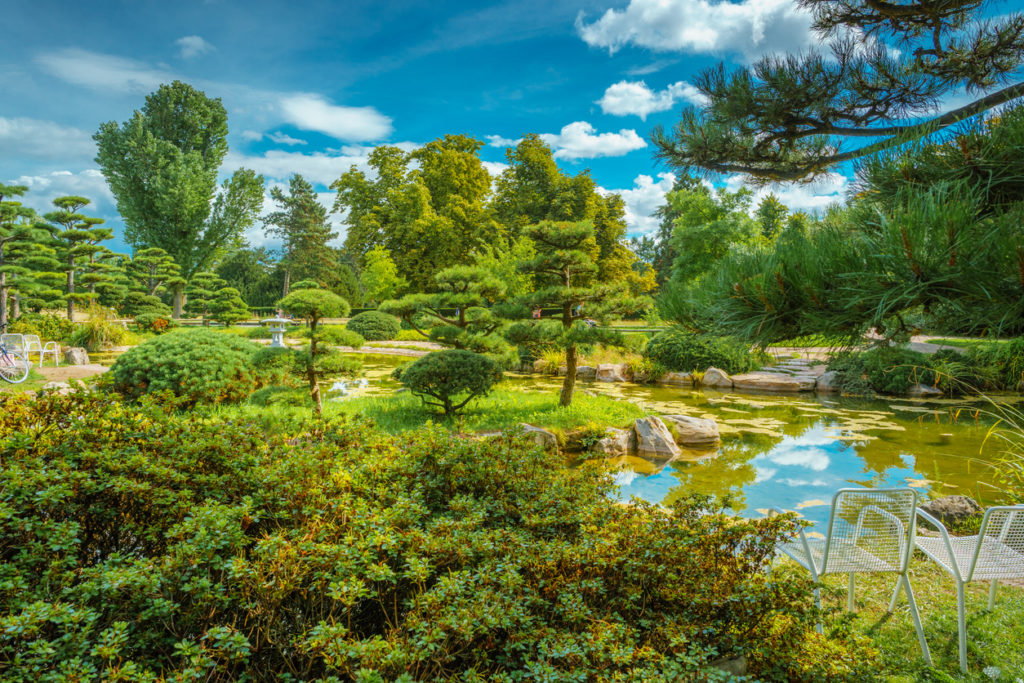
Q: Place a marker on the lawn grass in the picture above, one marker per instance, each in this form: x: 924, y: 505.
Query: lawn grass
x: 967, y: 343
x: 813, y: 341
x: 994, y: 639
x: 34, y: 382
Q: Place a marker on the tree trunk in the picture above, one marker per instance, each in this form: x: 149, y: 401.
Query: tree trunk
x: 4, y: 291
x: 71, y: 290
x: 287, y: 280
x: 314, y: 385
x: 570, y: 377
x: 16, y: 308
x: 179, y: 301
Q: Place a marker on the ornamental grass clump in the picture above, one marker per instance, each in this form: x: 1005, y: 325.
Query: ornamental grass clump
x: 142, y: 542
x: 197, y: 366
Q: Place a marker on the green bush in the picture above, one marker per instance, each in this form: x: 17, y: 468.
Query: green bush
x: 1004, y: 362
x: 883, y: 370
x: 199, y: 366
x: 683, y: 351
x: 409, y: 335
x: 48, y: 327
x: 452, y: 377
x: 157, y: 323
x: 336, y: 335
x: 375, y: 326
x: 143, y: 543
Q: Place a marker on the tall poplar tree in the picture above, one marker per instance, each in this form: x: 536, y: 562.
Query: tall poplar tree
x: 162, y: 167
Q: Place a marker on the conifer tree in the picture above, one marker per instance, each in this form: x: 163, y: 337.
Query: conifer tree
x: 199, y: 295
x: 78, y: 240
x: 227, y: 306
x: 24, y: 250
x: 565, y: 275
x: 301, y: 224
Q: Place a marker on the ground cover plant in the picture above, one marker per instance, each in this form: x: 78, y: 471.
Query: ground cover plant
x: 198, y: 365
x: 215, y: 549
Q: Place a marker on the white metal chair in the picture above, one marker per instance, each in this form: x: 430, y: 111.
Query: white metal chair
x: 13, y: 341
x: 34, y: 345
x: 869, y: 530
x: 997, y: 552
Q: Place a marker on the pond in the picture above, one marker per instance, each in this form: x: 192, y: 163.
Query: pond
x: 793, y: 452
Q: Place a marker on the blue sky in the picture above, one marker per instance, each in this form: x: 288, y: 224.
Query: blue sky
x: 312, y: 87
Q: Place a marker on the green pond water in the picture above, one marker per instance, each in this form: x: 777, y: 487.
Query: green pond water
x: 794, y: 451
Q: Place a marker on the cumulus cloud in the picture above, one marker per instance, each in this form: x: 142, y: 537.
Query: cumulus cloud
x: 809, y: 197
x: 634, y: 97
x: 45, y: 187
x: 355, y: 124
x: 24, y: 138
x: 102, y: 72
x: 751, y: 28
x: 642, y: 200
x: 580, y: 140
x: 495, y: 168
x: 498, y: 141
x: 193, y: 46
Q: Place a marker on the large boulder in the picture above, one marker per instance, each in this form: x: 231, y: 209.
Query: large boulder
x: 653, y: 440
x: 76, y: 355
x: 692, y: 431
x: 772, y: 381
x: 826, y: 383
x: 676, y: 379
x: 619, y: 442
x: 923, y: 391
x: 542, y: 437
x: 716, y: 379
x: 586, y: 372
x: 611, y: 372
x: 540, y: 365
x: 62, y: 388
x: 952, y: 509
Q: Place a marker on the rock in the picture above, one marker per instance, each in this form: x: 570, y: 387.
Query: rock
x: 826, y: 383
x: 952, y: 509
x: 677, y: 379
x: 540, y: 365
x: 619, y: 442
x: 736, y: 666
x: 62, y: 388
x: 562, y: 371
x: 772, y: 381
x: 611, y: 372
x: 716, y: 379
x: 923, y: 391
x: 654, y: 440
x: 76, y: 356
x: 542, y: 437
x: 586, y: 372
x: 692, y: 431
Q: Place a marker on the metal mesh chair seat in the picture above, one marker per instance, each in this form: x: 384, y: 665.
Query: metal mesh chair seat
x: 869, y: 530
x: 845, y: 556
x: 32, y: 344
x: 996, y: 552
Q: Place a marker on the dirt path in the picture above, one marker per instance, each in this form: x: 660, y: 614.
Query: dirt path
x: 66, y: 372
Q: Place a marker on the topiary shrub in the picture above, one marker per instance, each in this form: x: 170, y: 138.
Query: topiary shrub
x: 143, y: 543
x: 49, y: 327
x: 199, y: 366
x: 682, y: 351
x: 375, y: 326
x: 336, y: 335
x: 452, y: 378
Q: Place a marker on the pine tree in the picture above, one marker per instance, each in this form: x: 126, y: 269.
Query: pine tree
x: 24, y: 250
x: 301, y: 224
x: 227, y: 306
x: 565, y: 274
x: 78, y: 240
x: 200, y: 293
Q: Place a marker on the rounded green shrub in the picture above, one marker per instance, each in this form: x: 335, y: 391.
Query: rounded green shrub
x: 682, y: 351
x: 336, y: 335
x: 882, y: 370
x: 47, y: 326
x: 375, y: 326
x: 452, y: 378
x: 198, y: 366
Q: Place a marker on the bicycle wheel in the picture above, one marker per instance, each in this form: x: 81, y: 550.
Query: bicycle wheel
x: 13, y: 367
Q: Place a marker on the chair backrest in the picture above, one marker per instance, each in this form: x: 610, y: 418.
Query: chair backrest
x: 870, y: 530
x: 1000, y: 551
x: 13, y: 340
x: 31, y: 339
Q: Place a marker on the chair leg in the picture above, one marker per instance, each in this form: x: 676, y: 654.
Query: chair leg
x: 992, y: 593
x: 916, y: 616
x: 849, y: 594
x: 895, y: 595
x: 817, y: 603
x: 961, y: 622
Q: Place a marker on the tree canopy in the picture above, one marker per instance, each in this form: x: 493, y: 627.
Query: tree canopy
x: 882, y: 80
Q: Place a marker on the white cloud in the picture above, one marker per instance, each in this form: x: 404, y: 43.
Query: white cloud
x: 579, y: 140
x: 642, y: 200
x: 634, y: 97
x: 498, y: 141
x: 809, y: 197
x: 319, y: 168
x: 102, y: 72
x: 313, y: 112
x: 251, y: 135
x: 284, y: 139
x: 751, y: 28
x: 193, y: 46
x: 44, y: 188
x: 651, y: 68
x: 495, y: 168
x: 22, y: 138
